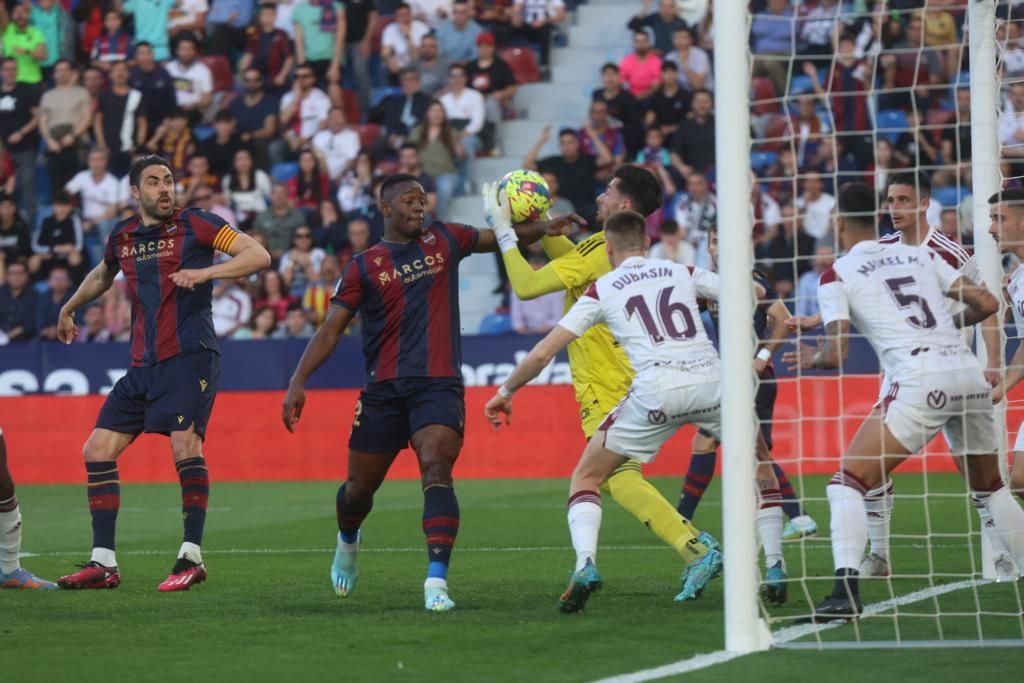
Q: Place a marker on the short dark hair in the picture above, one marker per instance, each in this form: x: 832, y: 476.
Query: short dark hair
x: 61, y: 196
x: 626, y: 230
x: 1011, y: 195
x: 857, y: 203
x: 919, y: 181
x: 396, y: 180
x: 6, y: 197
x: 295, y: 306
x: 641, y: 188
x: 610, y: 66
x: 63, y: 60
x: 409, y: 145
x: 567, y: 131
x: 224, y: 116
x: 143, y: 43
x: 402, y: 5
x: 141, y: 164
x: 268, y: 5
x: 669, y: 65
x: 669, y: 227
x: 186, y: 37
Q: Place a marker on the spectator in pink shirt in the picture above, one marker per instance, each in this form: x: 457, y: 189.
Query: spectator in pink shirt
x: 641, y: 69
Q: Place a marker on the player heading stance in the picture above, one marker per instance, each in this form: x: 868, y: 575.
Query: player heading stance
x: 894, y: 295
x: 601, y: 373
x: 406, y: 288
x: 650, y: 306
x: 12, y: 574
x: 166, y: 254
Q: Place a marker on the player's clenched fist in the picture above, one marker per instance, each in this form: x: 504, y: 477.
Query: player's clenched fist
x: 188, y: 278
x: 495, y: 407
x: 294, y: 401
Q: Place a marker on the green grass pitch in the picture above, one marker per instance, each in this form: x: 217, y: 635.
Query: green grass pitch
x: 267, y: 612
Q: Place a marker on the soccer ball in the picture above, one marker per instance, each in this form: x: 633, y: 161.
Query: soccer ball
x: 528, y: 195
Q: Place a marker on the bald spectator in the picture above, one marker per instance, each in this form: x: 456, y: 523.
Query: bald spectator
x: 663, y: 23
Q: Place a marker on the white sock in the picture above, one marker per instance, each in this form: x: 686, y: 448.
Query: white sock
x: 770, y: 523
x: 1009, y: 520
x: 191, y: 552
x: 104, y: 556
x: 878, y: 502
x: 10, y: 538
x: 436, y: 582
x: 584, y: 526
x: 988, y: 529
x: 849, y: 526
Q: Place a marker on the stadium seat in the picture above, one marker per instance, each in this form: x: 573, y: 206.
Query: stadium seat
x: 776, y: 133
x: 223, y: 76
x: 763, y: 95
x: 800, y: 84
x: 891, y: 123
x: 378, y: 95
x: 387, y: 167
x: 350, y: 103
x: 950, y: 196
x: 760, y: 160
x: 523, y: 63
x: 495, y: 323
x: 368, y: 133
x: 203, y: 133
x: 284, y: 171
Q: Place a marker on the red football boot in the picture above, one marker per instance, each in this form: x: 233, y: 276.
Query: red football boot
x: 185, y: 574
x: 91, y: 575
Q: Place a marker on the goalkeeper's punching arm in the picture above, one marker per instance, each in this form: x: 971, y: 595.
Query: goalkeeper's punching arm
x: 318, y: 350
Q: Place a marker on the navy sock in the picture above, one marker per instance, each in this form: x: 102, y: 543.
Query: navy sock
x: 790, y: 503
x: 104, y: 501
x: 351, y: 514
x: 698, y: 478
x: 195, y: 493
x: 440, y: 526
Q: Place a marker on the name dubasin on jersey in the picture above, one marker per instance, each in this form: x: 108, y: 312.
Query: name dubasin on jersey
x: 653, y: 273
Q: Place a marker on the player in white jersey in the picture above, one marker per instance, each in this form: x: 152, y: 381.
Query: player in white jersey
x: 894, y: 295
x: 650, y: 306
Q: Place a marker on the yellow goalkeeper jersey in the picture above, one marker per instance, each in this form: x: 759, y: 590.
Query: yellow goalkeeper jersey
x: 601, y: 372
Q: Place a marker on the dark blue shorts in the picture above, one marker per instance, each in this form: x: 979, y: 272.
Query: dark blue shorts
x: 390, y: 412
x: 764, y: 404
x: 170, y: 396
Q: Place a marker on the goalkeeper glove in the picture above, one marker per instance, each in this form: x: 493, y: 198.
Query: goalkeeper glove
x: 499, y: 217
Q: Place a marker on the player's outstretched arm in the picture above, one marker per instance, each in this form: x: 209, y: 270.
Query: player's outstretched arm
x: 777, y: 316
x: 95, y: 283
x: 830, y: 353
x: 980, y: 302
x: 318, y: 350
x: 803, y: 323
x: 538, y: 359
x: 247, y: 257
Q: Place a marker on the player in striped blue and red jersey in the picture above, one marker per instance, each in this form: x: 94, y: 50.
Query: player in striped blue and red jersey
x: 166, y: 255
x: 406, y: 289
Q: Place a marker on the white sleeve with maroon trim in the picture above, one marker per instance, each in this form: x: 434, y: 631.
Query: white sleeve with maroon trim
x: 948, y: 274
x: 832, y: 298
x: 584, y: 314
x: 706, y: 282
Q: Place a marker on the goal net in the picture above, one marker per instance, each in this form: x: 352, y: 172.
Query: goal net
x: 866, y: 90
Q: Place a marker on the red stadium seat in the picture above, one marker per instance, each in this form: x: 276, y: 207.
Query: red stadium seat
x: 223, y: 76
x: 368, y: 133
x: 523, y: 63
x: 387, y: 167
x: 777, y: 133
x: 350, y: 103
x: 378, y: 30
x: 762, y: 89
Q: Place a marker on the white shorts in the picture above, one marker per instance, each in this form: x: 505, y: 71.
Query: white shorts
x: 956, y: 402
x: 1018, y: 445
x: 641, y: 423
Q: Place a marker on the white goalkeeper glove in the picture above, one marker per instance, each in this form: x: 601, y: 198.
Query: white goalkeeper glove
x: 498, y: 215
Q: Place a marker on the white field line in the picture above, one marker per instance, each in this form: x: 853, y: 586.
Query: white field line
x: 782, y: 636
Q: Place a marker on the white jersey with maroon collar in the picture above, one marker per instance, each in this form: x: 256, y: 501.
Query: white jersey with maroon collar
x: 894, y: 294
x: 1015, y: 288
x: 650, y: 306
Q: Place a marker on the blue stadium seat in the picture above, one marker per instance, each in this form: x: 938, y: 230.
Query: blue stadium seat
x: 761, y: 160
x: 378, y: 95
x: 284, y: 171
x: 496, y: 323
x: 203, y: 133
x: 950, y: 196
x: 891, y: 123
x: 800, y: 84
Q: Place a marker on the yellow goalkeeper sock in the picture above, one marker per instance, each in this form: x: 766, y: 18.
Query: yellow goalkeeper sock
x: 639, y: 497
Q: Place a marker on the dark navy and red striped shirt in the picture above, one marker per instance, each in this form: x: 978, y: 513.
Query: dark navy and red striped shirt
x: 168, y: 320
x: 112, y: 48
x: 408, y: 295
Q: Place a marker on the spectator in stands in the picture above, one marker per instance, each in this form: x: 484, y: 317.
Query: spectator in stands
x: 940, y: 33
x: 310, y: 185
x: 807, y: 285
x: 229, y: 21
x: 440, y: 152
x: 693, y: 62
x: 816, y: 206
x: 622, y: 107
x: 338, y: 144
x: 600, y: 140
x: 360, y: 26
x: 59, y: 240
x: 331, y: 233
x: 495, y: 17
x: 246, y: 188
x: 99, y: 196
x: 816, y: 32
x: 255, y: 115
x: 576, y: 172
x: 456, y: 37
x: 641, y: 68
x: 560, y: 206
x: 206, y: 199
x: 15, y: 234
x: 90, y: 15
x: 65, y: 115
x: 188, y: 17
x: 655, y: 157
x: 271, y: 293
x: 669, y: 104
x: 296, y: 324
x: 431, y: 66
x: 119, y: 121
x: 193, y: 80
x: 1011, y: 123
x: 279, y: 221
x: 269, y: 50
x: 786, y: 253
x: 26, y: 45
x: 767, y: 213
x: 850, y: 81
x: 409, y: 162
x: 151, y: 19
x: 94, y: 326
x: 539, y: 315
x: 915, y: 146
x: 466, y: 114
x: 19, y: 125
x: 772, y: 41
x: 949, y: 224
x: 300, y: 265
x: 48, y: 305
x: 358, y: 235
x: 173, y: 141
x: 662, y: 23
x: 316, y: 301
x: 17, y: 306
x: 492, y: 77
x: 909, y: 67
x: 431, y: 12
x: 673, y: 245
x: 398, y: 114
x: 534, y: 22
x: 810, y: 131
x: 956, y: 139
x: 693, y: 146
x: 199, y: 175
x: 355, y: 188
x: 113, y: 45
x: 220, y: 147
x: 262, y: 325
x: 157, y: 87
x: 320, y: 41
x: 59, y: 32
x: 695, y: 213
x: 400, y: 40
x: 877, y: 174
x: 232, y: 307
x: 303, y: 110
x: 1010, y: 49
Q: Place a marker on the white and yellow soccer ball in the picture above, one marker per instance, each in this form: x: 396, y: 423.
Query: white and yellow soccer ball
x: 528, y: 195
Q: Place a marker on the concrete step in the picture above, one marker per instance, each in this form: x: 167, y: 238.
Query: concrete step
x: 584, y: 74
x: 603, y: 35
x: 607, y: 15
x: 467, y: 209
x: 493, y: 168
x: 562, y: 56
x: 532, y: 94
x: 520, y: 136
x: 567, y: 108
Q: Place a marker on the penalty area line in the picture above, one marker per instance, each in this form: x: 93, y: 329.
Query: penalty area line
x: 783, y: 636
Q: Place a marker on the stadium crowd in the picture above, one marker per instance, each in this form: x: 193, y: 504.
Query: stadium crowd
x: 283, y: 117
